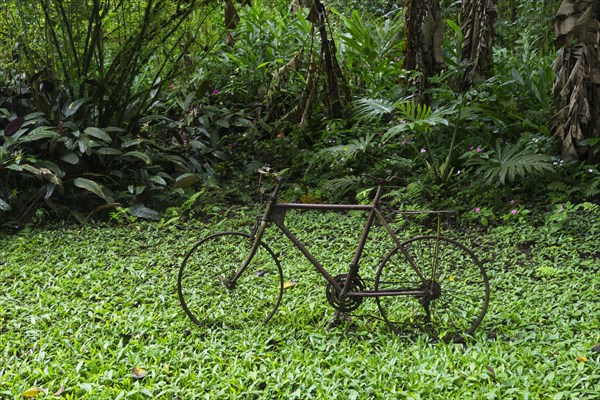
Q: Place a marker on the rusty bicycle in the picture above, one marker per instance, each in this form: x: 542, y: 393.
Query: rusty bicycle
x: 430, y: 282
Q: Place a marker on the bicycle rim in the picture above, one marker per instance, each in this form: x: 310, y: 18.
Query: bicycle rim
x: 455, y: 285
x: 206, y: 292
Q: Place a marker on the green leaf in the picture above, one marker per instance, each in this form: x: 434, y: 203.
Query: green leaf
x: 113, y: 129
x: 93, y: 187
x: 152, y: 118
x: 84, y: 144
x: 70, y: 157
x: 159, y: 180
x: 141, y: 211
x: 72, y: 108
x: 47, y: 175
x: 222, y: 122
x: 43, y: 132
x: 98, y: 134
x: 142, y: 156
x: 109, y: 151
x: 4, y: 206
x: 185, y: 180
x: 175, y: 159
x: 517, y: 76
x: 130, y: 143
x: 136, y: 189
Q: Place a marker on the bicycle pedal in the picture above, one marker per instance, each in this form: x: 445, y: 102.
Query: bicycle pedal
x: 340, y: 318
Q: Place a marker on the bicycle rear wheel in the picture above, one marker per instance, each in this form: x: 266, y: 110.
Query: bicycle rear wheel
x: 453, y: 281
x: 207, y: 293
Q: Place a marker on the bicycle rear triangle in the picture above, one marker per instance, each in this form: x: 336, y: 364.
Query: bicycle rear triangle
x: 429, y: 283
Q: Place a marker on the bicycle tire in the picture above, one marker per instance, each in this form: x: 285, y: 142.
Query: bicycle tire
x: 203, y: 289
x: 455, y: 281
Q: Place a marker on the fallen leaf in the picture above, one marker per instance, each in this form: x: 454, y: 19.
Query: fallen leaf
x: 596, y: 348
x: 138, y: 373
x: 166, y: 368
x: 60, y: 391
x: 32, y: 392
x: 581, y: 359
x: 289, y: 284
x: 451, y: 279
x: 491, y: 371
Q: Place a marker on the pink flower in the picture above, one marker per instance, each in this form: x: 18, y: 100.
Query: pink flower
x: 215, y: 91
x: 423, y: 150
x: 513, y: 212
x: 479, y: 149
x: 512, y: 202
x: 477, y: 209
x: 404, y: 142
x: 471, y: 148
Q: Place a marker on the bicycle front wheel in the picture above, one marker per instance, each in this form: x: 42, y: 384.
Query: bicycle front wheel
x: 208, y: 292
x: 453, y: 286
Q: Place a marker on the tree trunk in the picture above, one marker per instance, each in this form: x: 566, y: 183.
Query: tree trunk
x: 423, y: 48
x: 577, y: 84
x: 477, y: 25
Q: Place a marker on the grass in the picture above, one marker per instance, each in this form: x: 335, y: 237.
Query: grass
x: 81, y: 307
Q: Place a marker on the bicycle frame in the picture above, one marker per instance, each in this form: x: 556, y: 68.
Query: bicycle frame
x: 275, y: 213
x: 441, y: 285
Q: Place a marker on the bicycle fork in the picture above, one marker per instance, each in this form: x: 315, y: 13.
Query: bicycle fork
x: 230, y: 284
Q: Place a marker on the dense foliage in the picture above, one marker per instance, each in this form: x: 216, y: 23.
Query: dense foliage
x: 86, y: 313
x: 133, y: 107
x: 144, y: 109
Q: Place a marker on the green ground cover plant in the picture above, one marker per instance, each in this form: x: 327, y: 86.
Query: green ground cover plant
x: 92, y: 313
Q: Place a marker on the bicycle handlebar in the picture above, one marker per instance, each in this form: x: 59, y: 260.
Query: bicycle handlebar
x: 268, y: 171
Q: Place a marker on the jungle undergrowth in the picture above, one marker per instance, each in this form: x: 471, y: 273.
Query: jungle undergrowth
x: 80, y: 307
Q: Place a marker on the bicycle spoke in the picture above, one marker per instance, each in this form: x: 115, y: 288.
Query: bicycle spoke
x: 204, y: 288
x: 455, y: 293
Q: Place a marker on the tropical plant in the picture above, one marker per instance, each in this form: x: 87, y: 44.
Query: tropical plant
x: 507, y: 163
x: 515, y: 19
x: 106, y: 54
x: 371, y: 51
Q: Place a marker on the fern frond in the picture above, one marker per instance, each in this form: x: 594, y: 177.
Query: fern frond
x: 414, y: 191
x: 589, y: 207
x: 593, y: 189
x: 342, y: 185
x: 557, y: 186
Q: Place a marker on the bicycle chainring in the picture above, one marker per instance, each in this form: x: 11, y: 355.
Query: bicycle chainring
x: 349, y: 303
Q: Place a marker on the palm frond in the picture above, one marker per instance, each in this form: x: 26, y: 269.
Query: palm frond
x: 350, y: 149
x: 369, y: 109
x: 511, y: 163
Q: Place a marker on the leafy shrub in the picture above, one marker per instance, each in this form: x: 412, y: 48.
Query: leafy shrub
x: 371, y: 52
